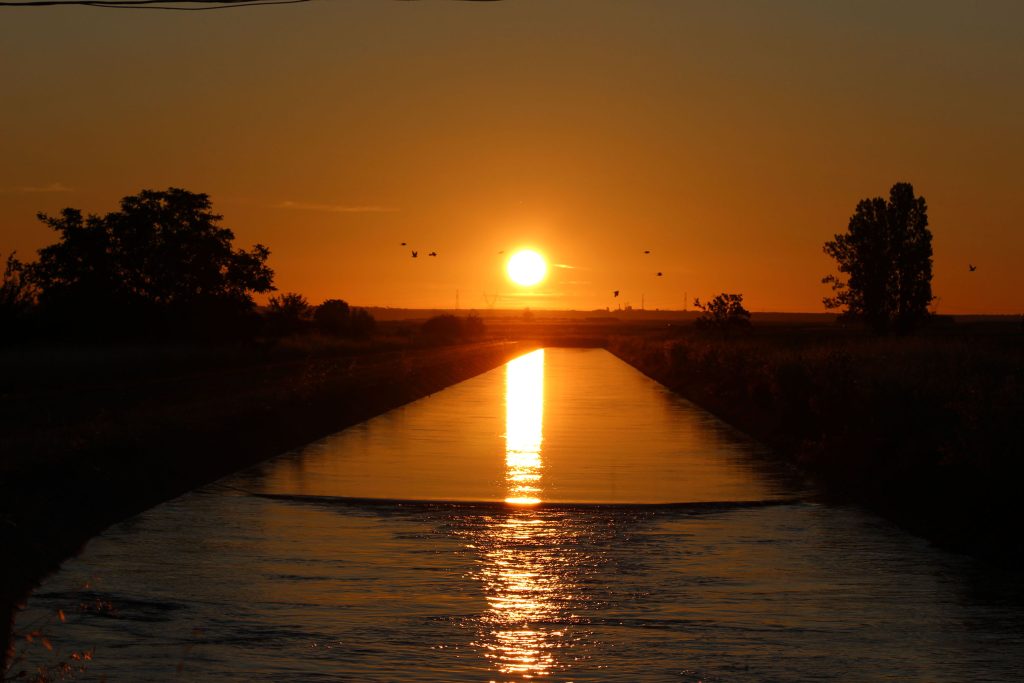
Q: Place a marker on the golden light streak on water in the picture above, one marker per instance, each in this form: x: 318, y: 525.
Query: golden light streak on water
x: 524, y: 427
x: 526, y: 596
x: 519, y: 580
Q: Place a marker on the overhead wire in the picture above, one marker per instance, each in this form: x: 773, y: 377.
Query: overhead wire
x: 170, y: 5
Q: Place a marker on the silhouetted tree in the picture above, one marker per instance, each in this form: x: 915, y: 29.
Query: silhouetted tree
x: 289, y: 313
x: 886, y: 254
x: 724, y: 313
x: 361, y: 323
x: 162, y: 259
x: 17, y: 296
x: 442, y: 328
x: 473, y: 325
x: 449, y: 328
x: 333, y: 317
x: 336, y: 317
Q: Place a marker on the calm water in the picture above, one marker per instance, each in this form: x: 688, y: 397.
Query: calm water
x: 562, y: 518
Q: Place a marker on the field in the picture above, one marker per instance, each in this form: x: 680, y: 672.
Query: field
x: 925, y: 429
x: 90, y: 436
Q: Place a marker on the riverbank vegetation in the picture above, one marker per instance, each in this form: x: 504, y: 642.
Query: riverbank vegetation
x: 135, y: 365
x: 924, y: 429
x: 90, y: 436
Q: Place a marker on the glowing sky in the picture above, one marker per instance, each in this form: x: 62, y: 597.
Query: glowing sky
x: 729, y: 138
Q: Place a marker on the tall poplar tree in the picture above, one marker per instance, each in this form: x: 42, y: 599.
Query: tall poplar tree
x: 885, y: 262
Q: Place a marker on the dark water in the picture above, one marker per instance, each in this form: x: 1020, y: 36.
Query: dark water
x: 562, y: 518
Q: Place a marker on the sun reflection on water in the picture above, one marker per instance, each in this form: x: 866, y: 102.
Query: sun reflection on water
x: 524, y: 427
x: 525, y: 592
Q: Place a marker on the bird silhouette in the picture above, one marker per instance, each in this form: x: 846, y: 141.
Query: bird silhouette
x: 403, y: 244
x: 502, y: 251
x: 433, y: 253
x: 659, y: 273
x: 415, y: 253
x: 647, y: 251
x: 972, y: 267
x: 616, y: 292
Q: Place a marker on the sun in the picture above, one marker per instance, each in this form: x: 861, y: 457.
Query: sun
x: 526, y: 267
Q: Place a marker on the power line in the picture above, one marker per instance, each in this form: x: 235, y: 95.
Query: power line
x: 172, y: 5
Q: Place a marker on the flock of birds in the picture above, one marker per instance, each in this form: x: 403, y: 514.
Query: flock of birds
x: 416, y: 253
x: 615, y: 293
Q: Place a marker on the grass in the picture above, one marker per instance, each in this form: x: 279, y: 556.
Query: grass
x: 925, y: 429
x: 90, y: 436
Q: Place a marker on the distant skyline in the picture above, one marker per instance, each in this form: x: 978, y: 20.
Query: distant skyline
x: 731, y: 139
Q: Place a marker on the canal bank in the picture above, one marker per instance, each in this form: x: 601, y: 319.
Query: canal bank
x: 116, y: 448
x: 384, y: 552
x: 921, y: 430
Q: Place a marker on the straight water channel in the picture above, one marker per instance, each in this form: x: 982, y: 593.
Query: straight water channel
x: 562, y: 517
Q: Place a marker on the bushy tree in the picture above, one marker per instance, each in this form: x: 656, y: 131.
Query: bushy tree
x: 473, y: 325
x: 288, y: 313
x: 442, y: 328
x: 724, y: 313
x: 16, y: 297
x: 361, y: 323
x: 886, y: 256
x: 335, y: 317
x: 162, y: 258
x: 448, y: 327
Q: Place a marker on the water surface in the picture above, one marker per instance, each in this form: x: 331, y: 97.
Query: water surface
x: 562, y: 518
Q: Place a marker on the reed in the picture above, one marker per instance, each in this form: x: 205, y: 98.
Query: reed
x: 926, y: 430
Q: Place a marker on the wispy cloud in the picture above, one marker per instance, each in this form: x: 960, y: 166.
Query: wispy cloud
x: 37, y: 189
x: 335, y: 208
x: 563, y: 265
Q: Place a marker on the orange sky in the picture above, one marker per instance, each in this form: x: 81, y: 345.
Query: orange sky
x: 729, y: 138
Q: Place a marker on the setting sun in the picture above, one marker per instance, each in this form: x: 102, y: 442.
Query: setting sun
x: 526, y: 267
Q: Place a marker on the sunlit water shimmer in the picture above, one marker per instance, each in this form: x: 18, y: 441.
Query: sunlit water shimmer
x: 561, y: 518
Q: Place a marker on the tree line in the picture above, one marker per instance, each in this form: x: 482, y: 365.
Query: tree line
x: 161, y: 266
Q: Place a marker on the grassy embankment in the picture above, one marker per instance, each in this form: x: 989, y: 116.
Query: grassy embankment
x: 91, y: 436
x: 925, y: 430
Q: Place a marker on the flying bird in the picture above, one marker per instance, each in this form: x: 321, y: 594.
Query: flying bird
x: 647, y: 251
x: 659, y: 273
x: 972, y: 267
x: 502, y: 251
x: 433, y: 253
x: 403, y: 244
x: 616, y: 292
x: 415, y: 253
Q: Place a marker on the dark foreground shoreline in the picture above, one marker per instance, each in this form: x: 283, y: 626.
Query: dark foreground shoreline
x: 98, y: 449
x: 925, y: 431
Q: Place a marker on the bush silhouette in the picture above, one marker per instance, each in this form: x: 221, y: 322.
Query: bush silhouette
x: 449, y: 328
x: 17, y: 296
x: 289, y: 313
x: 724, y: 313
x: 361, y: 323
x: 335, y: 317
x: 332, y: 317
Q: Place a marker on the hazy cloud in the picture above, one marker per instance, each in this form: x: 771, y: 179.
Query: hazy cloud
x: 562, y: 265
x: 334, y: 208
x: 37, y: 189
